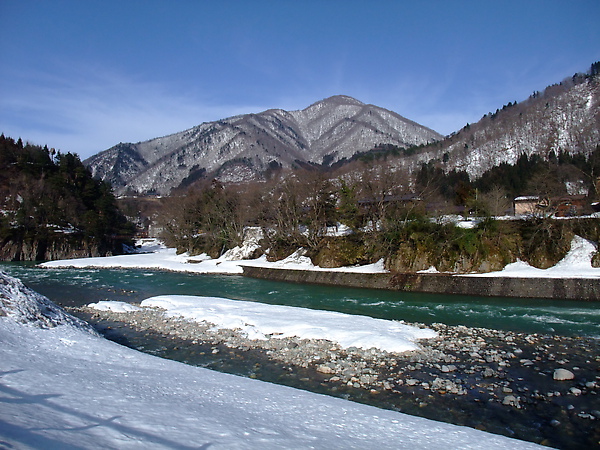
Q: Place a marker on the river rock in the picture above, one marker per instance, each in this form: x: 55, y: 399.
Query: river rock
x: 448, y: 368
x: 487, y: 373
x: 575, y: 391
x: 563, y: 374
x: 511, y: 400
x: 323, y: 368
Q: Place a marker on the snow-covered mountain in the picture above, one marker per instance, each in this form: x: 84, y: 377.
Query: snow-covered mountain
x: 564, y: 117
x: 243, y: 147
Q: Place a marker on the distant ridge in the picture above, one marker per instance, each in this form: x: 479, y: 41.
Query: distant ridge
x: 243, y: 147
x: 565, y: 117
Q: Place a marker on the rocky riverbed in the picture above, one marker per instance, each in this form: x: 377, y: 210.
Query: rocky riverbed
x: 534, y: 387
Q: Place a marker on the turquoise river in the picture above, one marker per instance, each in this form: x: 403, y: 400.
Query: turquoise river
x: 76, y: 287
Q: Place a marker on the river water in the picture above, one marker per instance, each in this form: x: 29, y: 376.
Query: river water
x: 77, y: 287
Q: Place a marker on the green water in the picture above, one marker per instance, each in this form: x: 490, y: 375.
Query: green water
x: 74, y: 287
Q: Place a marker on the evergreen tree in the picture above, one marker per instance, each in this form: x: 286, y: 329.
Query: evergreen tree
x: 48, y: 199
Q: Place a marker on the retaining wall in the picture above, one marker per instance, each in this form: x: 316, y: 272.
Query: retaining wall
x: 553, y: 288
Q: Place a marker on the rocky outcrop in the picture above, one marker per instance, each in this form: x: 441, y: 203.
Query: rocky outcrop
x: 45, y: 250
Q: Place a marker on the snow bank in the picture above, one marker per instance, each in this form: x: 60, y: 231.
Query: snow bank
x: 576, y: 264
x: 63, y: 387
x: 259, y: 321
x: 27, y: 306
x: 153, y: 255
x: 251, y: 243
x: 298, y: 261
x: 119, y: 307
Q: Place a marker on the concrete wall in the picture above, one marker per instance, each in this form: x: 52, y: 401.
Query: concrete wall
x: 554, y: 288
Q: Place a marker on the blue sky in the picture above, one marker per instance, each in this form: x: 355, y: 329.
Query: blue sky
x: 82, y: 76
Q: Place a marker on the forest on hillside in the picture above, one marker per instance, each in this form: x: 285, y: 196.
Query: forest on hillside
x: 51, y: 207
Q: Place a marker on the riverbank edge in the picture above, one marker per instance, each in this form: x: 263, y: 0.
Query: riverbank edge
x: 587, y: 289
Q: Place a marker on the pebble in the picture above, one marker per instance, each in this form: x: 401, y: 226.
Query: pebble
x: 563, y: 374
x: 449, y: 368
x: 488, y: 373
x: 511, y: 400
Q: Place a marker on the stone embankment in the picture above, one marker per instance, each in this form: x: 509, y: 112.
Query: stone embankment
x: 437, y: 283
x: 533, y: 387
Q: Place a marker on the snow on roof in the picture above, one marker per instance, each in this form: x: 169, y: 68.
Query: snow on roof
x: 527, y: 198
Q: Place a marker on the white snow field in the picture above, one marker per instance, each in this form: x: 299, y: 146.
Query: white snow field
x: 152, y: 254
x: 64, y: 387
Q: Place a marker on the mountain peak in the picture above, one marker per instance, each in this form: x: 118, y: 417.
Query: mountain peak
x: 238, y: 150
x: 345, y: 99
x: 336, y: 100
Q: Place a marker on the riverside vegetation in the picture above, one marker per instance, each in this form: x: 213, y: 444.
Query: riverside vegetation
x: 379, y: 218
x: 52, y: 208
x: 396, y: 212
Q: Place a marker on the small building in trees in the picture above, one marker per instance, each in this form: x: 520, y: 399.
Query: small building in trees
x: 571, y: 205
x: 563, y: 206
x: 529, y: 204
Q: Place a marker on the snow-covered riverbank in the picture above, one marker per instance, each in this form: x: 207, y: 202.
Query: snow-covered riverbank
x: 153, y: 255
x: 64, y: 387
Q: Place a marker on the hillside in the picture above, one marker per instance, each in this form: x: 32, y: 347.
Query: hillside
x: 244, y: 147
x: 52, y: 208
x: 565, y: 117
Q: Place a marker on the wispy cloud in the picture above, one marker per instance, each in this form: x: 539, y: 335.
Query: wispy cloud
x: 90, y: 110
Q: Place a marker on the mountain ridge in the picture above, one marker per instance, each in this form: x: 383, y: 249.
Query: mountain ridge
x: 565, y: 117
x: 243, y: 147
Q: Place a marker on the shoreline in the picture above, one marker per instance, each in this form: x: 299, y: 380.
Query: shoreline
x: 582, y: 289
x: 573, y: 278
x: 499, y: 381
x: 587, y: 289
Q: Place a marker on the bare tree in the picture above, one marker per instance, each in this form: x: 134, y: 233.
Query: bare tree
x: 495, y: 202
